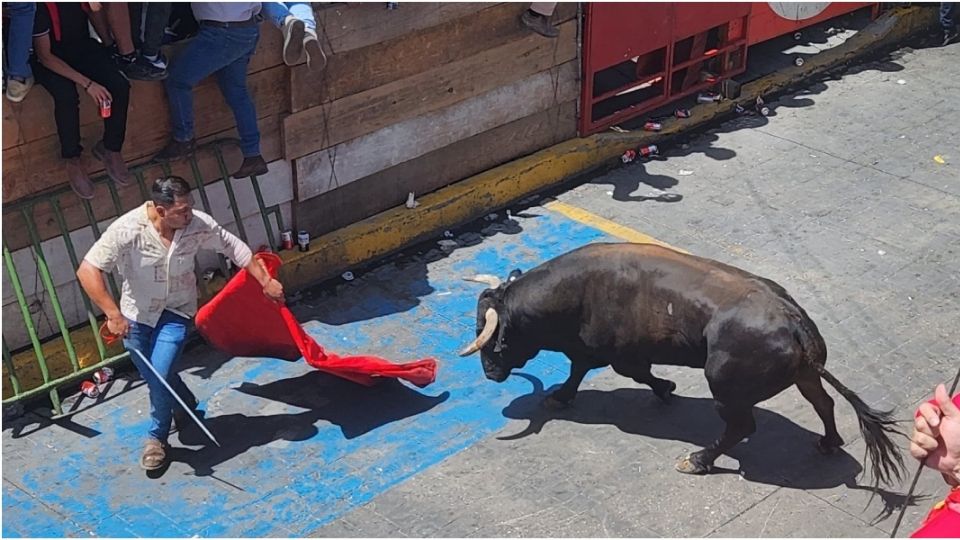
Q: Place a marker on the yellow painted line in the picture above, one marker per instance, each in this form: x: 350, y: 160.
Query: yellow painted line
x: 603, y: 224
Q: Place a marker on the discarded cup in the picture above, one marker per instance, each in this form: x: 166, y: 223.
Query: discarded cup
x: 412, y: 201
x: 89, y: 389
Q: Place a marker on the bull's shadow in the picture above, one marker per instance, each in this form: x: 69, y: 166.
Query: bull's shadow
x: 780, y: 453
x: 355, y: 409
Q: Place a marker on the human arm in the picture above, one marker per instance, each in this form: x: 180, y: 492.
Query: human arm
x: 936, y: 436
x: 54, y: 63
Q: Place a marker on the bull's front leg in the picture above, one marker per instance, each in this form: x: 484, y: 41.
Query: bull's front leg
x: 562, y: 397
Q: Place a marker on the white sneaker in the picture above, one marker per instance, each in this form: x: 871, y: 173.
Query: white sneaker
x: 17, y: 90
x: 293, y: 31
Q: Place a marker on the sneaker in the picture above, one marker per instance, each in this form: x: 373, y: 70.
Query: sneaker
x: 79, y: 179
x: 136, y: 70
x: 316, y: 58
x: 251, y: 166
x: 17, y: 88
x: 157, y: 69
x: 175, y: 150
x: 113, y: 162
x: 539, y: 24
x: 949, y: 36
x: 293, y: 30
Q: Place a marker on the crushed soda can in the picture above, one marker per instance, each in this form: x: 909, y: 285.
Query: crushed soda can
x: 708, y: 97
x: 628, y: 156
x: 649, y: 150
x: 652, y: 126
x: 89, y: 389
x: 682, y: 113
x: 102, y: 375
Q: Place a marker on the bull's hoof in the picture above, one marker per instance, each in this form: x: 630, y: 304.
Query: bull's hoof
x: 828, y: 447
x: 688, y: 466
x: 552, y: 402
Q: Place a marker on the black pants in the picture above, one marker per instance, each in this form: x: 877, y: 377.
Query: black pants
x: 153, y: 25
x: 92, y: 60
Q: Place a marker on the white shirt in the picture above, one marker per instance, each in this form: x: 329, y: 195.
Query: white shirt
x: 156, y: 277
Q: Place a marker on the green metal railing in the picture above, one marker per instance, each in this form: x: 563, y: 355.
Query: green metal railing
x: 27, y: 207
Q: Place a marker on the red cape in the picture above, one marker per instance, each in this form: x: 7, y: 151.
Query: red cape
x: 241, y: 321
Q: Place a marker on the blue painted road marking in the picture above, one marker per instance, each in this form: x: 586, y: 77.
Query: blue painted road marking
x: 300, y: 448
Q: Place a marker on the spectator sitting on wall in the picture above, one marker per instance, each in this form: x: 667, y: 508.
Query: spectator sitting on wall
x: 537, y: 18
x: 111, y: 20
x: 16, y: 58
x: 224, y: 45
x: 67, y: 57
x: 148, y: 20
x: 296, y: 21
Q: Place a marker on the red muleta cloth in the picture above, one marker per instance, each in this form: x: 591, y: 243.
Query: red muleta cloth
x: 944, y: 520
x: 240, y: 320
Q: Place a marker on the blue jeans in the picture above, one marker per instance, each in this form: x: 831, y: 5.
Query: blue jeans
x: 226, y: 52
x: 947, y: 21
x: 276, y: 12
x: 162, y: 346
x: 16, y: 60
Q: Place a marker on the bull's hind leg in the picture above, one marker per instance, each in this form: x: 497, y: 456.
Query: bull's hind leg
x: 740, y: 424
x: 640, y: 372
x: 811, y: 387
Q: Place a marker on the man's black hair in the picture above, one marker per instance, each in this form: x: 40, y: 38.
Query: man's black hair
x: 167, y: 189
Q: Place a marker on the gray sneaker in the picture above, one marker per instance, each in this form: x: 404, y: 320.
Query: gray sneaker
x: 293, y: 30
x: 18, y: 88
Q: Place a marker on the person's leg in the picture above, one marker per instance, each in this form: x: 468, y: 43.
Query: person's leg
x: 208, y: 52
x: 304, y: 12
x: 17, y: 50
x: 158, y: 15
x: 98, y: 65
x: 275, y: 12
x: 948, y: 22
x: 543, y: 8
x: 233, y: 85
x: 161, y: 346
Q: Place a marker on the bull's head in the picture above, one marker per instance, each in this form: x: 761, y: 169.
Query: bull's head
x: 498, y: 354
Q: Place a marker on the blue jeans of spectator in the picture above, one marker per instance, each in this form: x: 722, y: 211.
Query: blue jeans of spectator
x: 16, y: 58
x: 162, y: 345
x: 225, y: 52
x: 947, y: 21
x: 276, y: 12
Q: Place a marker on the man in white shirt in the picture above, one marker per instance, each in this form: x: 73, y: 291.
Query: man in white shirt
x: 153, y: 247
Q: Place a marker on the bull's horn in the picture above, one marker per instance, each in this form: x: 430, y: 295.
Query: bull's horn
x: 489, y: 326
x: 492, y: 281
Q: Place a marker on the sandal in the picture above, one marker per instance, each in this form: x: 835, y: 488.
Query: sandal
x: 154, y: 455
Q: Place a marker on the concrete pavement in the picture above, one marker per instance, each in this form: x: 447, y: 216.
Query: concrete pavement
x: 837, y: 196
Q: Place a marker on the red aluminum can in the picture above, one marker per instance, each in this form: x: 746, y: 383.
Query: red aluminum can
x: 105, y: 108
x: 652, y: 126
x: 646, y: 151
x: 89, y: 389
x: 628, y: 156
x: 682, y: 113
x: 102, y: 375
x: 286, y: 240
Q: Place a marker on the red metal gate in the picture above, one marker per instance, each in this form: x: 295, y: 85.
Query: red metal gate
x: 639, y: 56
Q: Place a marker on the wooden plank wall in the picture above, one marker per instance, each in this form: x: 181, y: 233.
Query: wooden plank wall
x: 431, y: 94
x: 412, y: 99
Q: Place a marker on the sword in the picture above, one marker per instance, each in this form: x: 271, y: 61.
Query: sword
x: 177, y: 397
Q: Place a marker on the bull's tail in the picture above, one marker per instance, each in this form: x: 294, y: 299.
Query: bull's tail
x: 886, y: 462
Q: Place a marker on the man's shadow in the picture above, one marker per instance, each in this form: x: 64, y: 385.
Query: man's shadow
x: 780, y: 453
x: 354, y: 408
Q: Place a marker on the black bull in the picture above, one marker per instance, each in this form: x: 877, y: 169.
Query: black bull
x: 633, y: 305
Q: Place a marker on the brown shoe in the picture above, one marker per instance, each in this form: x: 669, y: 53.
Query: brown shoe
x: 251, y: 166
x: 79, y: 179
x: 114, y: 163
x: 539, y: 24
x: 176, y: 150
